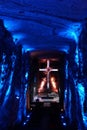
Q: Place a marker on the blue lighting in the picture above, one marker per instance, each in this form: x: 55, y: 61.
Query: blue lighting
x: 8, y: 91
x: 81, y: 91
x: 18, y: 37
x: 6, y: 82
x: 67, y: 101
x: 27, y: 119
x: 11, y: 24
x: 81, y: 61
x: 64, y: 49
x: 26, y: 75
x: 64, y: 124
x: 72, y: 32
x: 27, y: 49
x: 65, y: 97
x: 28, y: 116
x: 24, y: 123
x: 17, y: 97
x: 17, y: 93
x: 4, y: 71
x: 19, y: 118
x: 85, y: 120
x: 69, y: 34
x: 66, y: 69
x: 13, y: 58
x: 62, y: 117
x: 77, y: 55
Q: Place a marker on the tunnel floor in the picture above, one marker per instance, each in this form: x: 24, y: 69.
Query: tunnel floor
x: 43, y: 119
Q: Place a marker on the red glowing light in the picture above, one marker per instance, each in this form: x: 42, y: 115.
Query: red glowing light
x: 54, y: 86
x: 41, y: 88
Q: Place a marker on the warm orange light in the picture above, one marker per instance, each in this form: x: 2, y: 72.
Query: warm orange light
x: 54, y: 87
x: 43, y: 82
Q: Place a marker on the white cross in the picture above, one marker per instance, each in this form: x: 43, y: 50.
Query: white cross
x: 48, y: 69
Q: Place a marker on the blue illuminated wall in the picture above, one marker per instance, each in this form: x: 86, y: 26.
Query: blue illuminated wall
x: 7, y: 66
x: 83, y: 84
x: 76, y: 86
x: 14, y: 74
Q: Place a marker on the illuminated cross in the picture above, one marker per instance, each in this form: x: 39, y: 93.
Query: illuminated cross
x: 48, y: 69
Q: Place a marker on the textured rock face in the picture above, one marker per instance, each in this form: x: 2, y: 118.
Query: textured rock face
x: 37, y: 25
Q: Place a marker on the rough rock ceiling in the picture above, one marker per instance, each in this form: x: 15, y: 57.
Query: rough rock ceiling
x: 44, y: 24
